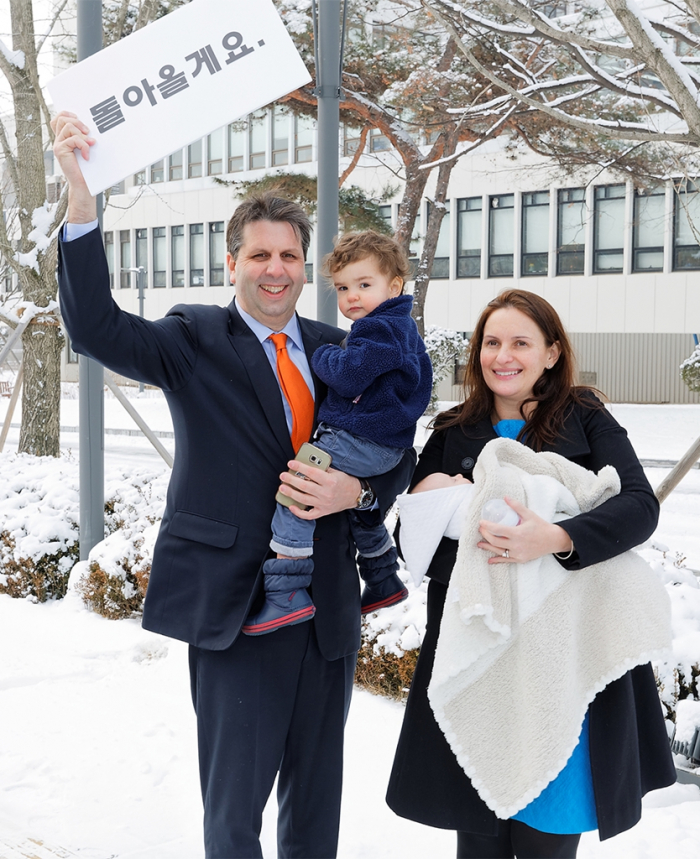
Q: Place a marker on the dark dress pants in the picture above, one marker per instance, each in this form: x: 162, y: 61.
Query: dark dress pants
x: 271, y: 704
x: 516, y: 839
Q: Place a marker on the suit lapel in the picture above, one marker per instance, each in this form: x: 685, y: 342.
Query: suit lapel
x: 262, y: 378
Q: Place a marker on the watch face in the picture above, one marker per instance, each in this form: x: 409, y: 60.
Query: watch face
x: 366, y: 497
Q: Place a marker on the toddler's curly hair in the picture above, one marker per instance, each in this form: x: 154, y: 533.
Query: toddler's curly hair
x: 352, y: 247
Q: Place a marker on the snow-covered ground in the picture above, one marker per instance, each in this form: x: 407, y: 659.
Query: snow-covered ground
x: 97, y: 733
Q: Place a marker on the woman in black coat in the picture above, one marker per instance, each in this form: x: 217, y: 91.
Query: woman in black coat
x: 519, y: 381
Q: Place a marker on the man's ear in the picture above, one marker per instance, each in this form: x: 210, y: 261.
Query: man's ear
x: 396, y: 287
x: 231, y: 263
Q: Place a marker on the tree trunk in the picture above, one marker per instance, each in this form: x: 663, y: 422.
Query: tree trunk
x: 42, y: 341
x: 432, y: 235
x: 409, y: 207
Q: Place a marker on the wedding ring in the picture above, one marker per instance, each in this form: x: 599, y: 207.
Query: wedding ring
x: 505, y: 554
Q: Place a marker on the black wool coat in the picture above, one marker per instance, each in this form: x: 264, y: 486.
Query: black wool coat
x: 629, y: 747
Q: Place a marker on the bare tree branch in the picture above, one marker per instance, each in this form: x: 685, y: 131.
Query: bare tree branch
x: 617, y: 129
x: 357, y: 154
x: 57, y: 14
x: 9, y: 156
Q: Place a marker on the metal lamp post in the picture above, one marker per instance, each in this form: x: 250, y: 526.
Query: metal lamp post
x: 328, y: 56
x: 91, y: 374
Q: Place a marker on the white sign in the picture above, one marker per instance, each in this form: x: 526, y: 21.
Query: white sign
x: 176, y: 80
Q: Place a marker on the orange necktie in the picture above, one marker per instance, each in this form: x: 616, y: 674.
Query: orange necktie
x: 296, y: 392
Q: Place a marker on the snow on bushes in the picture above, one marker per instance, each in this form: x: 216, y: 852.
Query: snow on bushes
x: 444, y: 348
x: 690, y: 370
x: 40, y: 532
x: 118, y: 567
x: 39, y: 525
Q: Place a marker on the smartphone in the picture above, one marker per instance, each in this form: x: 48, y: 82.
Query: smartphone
x: 310, y: 455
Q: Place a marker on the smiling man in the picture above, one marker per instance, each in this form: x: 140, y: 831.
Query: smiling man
x: 272, y: 705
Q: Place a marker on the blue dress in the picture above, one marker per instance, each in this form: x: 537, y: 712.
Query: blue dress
x: 567, y: 805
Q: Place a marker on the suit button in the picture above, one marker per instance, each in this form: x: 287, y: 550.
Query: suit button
x: 467, y: 463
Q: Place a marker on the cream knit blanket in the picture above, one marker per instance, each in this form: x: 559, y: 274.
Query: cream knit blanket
x: 524, y: 648
x: 427, y: 517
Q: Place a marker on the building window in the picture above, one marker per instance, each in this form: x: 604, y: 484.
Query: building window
x: 215, y: 153
x: 159, y: 257
x: 175, y: 166
x: 257, y: 135
x: 280, y: 136
x: 609, y: 230
x: 686, y: 226
x: 303, y: 139
x: 535, y: 236
x: 385, y: 214
x: 53, y: 191
x: 125, y: 258
x: 194, y: 160
x: 377, y: 141
x: 109, y: 253
x: 158, y: 172
x: 236, y: 148
x: 142, y: 251
x: 351, y: 140
x: 117, y: 189
x: 571, y: 231
x: 648, y: 229
x: 469, y: 237
x: 501, y: 227
x: 217, y: 253
x: 385, y: 36
x: 177, y: 255
x: 441, y: 261
x: 196, y: 254
x: 140, y: 177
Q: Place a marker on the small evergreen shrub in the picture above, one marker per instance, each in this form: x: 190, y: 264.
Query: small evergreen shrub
x: 690, y: 370
x: 445, y: 347
x: 382, y: 672
x: 40, y: 531
x: 115, y: 595
x: 37, y: 578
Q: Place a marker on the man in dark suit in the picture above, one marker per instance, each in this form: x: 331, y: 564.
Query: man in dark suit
x: 267, y: 706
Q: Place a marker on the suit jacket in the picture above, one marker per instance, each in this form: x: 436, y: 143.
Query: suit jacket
x: 231, y: 442
x: 629, y: 748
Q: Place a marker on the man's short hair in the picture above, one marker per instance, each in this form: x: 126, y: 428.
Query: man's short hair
x: 267, y: 207
x: 352, y: 247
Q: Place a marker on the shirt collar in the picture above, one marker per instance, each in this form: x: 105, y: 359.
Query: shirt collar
x: 262, y: 332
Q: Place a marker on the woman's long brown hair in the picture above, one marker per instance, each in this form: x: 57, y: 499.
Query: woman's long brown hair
x: 553, y: 393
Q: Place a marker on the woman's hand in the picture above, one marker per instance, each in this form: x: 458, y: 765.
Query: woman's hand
x: 324, y: 492
x: 531, y: 539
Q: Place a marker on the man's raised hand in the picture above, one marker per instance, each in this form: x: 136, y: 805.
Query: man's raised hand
x: 73, y: 141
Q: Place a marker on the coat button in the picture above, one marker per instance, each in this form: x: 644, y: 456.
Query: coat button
x: 467, y: 463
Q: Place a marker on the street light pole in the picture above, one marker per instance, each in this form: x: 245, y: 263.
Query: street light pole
x: 91, y: 374
x: 328, y: 69
x: 141, y: 286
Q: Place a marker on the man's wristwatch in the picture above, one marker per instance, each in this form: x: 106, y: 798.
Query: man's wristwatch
x: 365, y: 499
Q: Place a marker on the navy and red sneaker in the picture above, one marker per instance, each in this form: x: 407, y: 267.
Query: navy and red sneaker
x: 389, y: 591
x: 281, y: 609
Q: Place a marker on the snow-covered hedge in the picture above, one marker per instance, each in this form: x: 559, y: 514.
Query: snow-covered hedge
x: 690, y: 371
x: 39, y: 525
x: 39, y: 547
x: 444, y: 347
x: 40, y: 532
